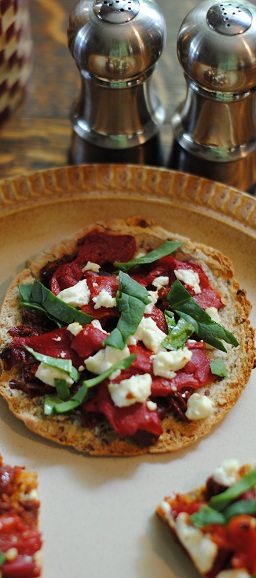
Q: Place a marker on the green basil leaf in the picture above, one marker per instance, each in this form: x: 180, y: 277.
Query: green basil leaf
x: 208, y: 330
x: 223, y: 500
x: 165, y: 249
x: 240, y: 507
x: 80, y: 395
x: 170, y: 320
x: 206, y: 516
x: 39, y: 297
x: 178, y: 333
x: 49, y: 404
x: 131, y: 299
x: 58, y: 363
x: 218, y: 367
x: 62, y: 389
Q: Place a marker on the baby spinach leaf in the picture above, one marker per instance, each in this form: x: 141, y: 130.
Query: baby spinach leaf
x: 206, y: 516
x: 62, y: 389
x: 37, y: 296
x: 165, y: 249
x: 131, y: 299
x: 208, y: 330
x: 218, y: 367
x: 178, y: 333
x: 240, y: 507
x: 58, y: 363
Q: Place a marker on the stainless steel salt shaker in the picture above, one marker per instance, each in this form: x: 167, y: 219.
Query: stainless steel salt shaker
x: 116, y: 45
x: 215, y: 128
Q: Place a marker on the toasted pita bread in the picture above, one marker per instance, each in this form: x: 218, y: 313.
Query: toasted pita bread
x: 100, y: 439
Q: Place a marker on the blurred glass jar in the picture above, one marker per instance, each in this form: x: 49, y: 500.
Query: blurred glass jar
x: 15, y: 54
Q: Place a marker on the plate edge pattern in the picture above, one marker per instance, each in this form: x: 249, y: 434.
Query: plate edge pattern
x: 68, y: 181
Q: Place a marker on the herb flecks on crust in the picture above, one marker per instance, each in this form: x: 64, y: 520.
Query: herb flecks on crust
x: 128, y: 339
x: 216, y: 523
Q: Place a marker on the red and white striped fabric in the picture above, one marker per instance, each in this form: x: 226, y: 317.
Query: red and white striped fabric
x: 15, y: 54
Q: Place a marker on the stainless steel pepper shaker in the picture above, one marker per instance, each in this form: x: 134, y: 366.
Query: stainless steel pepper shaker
x: 215, y: 128
x: 116, y: 45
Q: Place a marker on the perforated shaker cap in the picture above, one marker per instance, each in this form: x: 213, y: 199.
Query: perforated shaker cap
x: 117, y: 11
x: 217, y: 45
x: 229, y: 18
x: 116, y: 40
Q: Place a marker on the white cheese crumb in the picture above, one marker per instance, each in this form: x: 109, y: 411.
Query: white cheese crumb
x: 165, y: 363
x: 151, y: 405
x: 77, y: 295
x: 160, y: 281
x: 149, y: 333
x: 214, y: 314
x: 104, y: 299
x: 199, y: 406
x: 104, y: 358
x: 190, y: 278
x: 48, y: 374
x: 74, y: 328
x: 226, y: 473
x: 200, y: 547
x: 90, y: 266
x: 129, y: 391
x: 153, y: 296
x: 233, y: 574
x: 96, y: 323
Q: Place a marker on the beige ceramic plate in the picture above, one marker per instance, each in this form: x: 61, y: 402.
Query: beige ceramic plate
x: 97, y: 514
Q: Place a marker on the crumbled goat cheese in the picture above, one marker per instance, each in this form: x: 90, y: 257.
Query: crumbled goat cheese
x: 104, y: 358
x: 199, y: 406
x: 90, y: 266
x: 214, y: 314
x: 153, y: 296
x: 160, y: 281
x: 190, y: 278
x: 129, y: 391
x: 165, y: 363
x: 149, y: 333
x: 48, y: 374
x: 74, y: 328
x: 151, y: 405
x: 104, y: 299
x: 226, y: 473
x: 77, y: 296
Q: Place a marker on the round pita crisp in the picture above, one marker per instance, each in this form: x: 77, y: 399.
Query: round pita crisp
x: 100, y: 438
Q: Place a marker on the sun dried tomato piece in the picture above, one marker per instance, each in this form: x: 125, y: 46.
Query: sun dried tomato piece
x: 88, y: 341
x: 99, y: 247
x: 126, y: 421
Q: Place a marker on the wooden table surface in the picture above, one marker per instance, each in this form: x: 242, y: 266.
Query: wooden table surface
x: 37, y: 136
